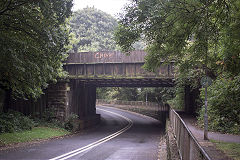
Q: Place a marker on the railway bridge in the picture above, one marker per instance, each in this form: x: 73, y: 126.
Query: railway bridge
x: 89, y: 70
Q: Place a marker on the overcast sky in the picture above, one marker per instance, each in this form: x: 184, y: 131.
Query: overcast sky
x: 110, y: 6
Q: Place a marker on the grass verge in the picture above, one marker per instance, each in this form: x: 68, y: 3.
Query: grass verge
x: 36, y: 133
x: 230, y: 149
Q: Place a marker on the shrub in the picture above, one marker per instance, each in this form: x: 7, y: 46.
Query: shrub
x: 49, y: 115
x: 69, y: 124
x: 178, y: 101
x: 14, y: 121
x: 6, y: 126
x: 223, y: 105
x: 48, y: 119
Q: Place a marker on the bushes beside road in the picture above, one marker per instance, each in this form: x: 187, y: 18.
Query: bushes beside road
x: 13, y: 121
x: 15, y: 127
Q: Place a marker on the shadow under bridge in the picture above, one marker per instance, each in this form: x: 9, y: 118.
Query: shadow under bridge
x: 88, y: 70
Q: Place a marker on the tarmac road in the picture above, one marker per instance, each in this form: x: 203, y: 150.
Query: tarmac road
x: 120, y: 136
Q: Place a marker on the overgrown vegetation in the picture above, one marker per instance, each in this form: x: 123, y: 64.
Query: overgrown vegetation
x: 33, y: 37
x: 71, y: 121
x: 13, y: 121
x: 17, y: 128
x: 223, y: 105
x: 159, y: 95
x: 48, y: 119
x: 202, y: 38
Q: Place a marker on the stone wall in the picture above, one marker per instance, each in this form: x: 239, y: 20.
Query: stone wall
x: 58, y: 99
x: 63, y: 98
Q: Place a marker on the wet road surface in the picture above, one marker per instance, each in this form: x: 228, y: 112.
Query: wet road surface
x: 120, y: 136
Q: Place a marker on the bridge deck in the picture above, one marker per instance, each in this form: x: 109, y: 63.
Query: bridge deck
x: 105, y: 57
x: 126, y: 82
x: 115, y: 69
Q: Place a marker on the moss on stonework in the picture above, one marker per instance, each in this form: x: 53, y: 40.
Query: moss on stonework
x: 115, y: 77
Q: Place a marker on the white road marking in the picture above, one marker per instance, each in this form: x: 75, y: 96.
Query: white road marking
x: 101, y: 141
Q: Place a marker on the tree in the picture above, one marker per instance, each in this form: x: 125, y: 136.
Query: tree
x: 117, y: 93
x: 32, y: 39
x: 193, y: 33
x: 160, y: 95
x: 202, y: 37
x: 92, y: 30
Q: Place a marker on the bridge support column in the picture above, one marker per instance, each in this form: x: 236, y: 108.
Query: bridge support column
x: 87, y: 102
x: 57, y: 99
x: 91, y: 100
x: 82, y: 101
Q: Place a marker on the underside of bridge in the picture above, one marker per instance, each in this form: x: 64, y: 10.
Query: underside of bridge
x: 82, y: 92
x: 90, y: 70
x: 124, y: 82
x: 87, y: 71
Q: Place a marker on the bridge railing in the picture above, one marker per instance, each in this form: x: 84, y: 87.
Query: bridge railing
x: 189, y: 148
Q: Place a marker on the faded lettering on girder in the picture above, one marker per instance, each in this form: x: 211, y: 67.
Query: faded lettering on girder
x: 99, y: 55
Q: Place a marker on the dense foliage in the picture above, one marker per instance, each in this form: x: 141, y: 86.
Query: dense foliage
x: 13, y: 121
x: 202, y: 37
x: 199, y: 34
x: 159, y: 95
x: 32, y: 39
x: 117, y: 93
x: 92, y: 30
x: 224, y: 105
x: 49, y: 119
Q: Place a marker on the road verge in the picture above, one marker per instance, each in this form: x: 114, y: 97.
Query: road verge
x: 36, y: 135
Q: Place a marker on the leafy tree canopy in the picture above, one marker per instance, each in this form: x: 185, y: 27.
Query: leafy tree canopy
x: 33, y: 34
x: 202, y: 37
x: 193, y: 33
x: 92, y: 30
x: 159, y: 95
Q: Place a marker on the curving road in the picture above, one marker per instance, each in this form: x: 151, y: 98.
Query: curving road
x: 120, y: 136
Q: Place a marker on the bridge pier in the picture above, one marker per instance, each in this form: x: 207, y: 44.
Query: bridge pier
x: 57, y: 99
x: 82, y: 101
x: 73, y: 96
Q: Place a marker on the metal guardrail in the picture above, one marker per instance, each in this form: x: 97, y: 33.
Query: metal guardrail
x: 189, y: 148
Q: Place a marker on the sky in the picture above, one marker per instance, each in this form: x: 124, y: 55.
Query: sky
x: 109, y: 6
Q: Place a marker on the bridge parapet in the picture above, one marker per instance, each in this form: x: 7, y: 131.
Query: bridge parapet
x: 105, y: 57
x: 117, y: 69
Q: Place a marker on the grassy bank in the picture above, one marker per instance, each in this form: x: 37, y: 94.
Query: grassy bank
x: 230, y: 149
x: 36, y: 133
